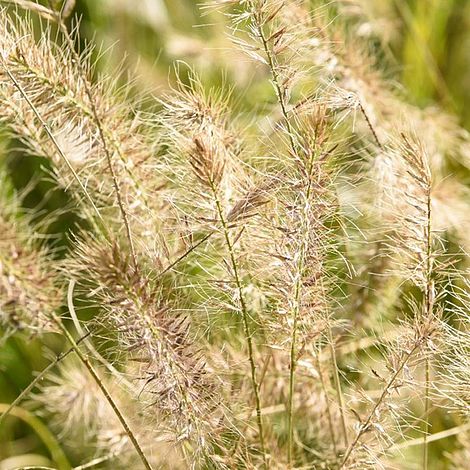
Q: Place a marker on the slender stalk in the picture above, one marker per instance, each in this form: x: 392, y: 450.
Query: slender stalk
x: 428, y: 295
x: 185, y: 254
x: 426, y: 416
x: 245, y: 318
x: 49, y: 133
x: 250, y: 413
x: 130, y: 434
x: 277, y: 85
x: 298, y: 287
x: 371, y: 127
x: 365, y: 426
x: 86, y: 85
x: 292, y: 366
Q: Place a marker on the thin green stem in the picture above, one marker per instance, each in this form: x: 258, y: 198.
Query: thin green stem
x: 371, y: 127
x: 277, y: 85
x: 185, y: 254
x: 130, y: 434
x: 298, y: 287
x: 426, y: 416
x: 244, y: 430
x: 429, y: 311
x: 365, y: 426
x: 245, y: 318
x: 86, y: 85
x: 49, y: 133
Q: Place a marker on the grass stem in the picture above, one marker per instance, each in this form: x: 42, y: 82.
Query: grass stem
x: 245, y: 319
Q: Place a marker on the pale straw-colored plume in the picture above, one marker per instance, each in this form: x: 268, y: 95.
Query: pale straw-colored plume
x: 91, y: 132
x: 170, y: 374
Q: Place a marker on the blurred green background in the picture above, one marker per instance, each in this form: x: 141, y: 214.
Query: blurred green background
x: 428, y: 43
